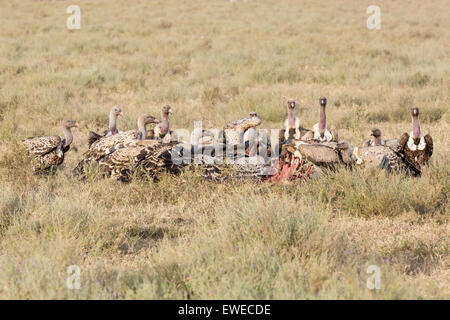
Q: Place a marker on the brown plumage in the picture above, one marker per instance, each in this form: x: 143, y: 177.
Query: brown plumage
x: 146, y: 156
x: 48, y: 152
x: 107, y: 145
x: 326, y: 154
x: 383, y: 157
x: 115, y: 112
x: 235, y: 156
x: 416, y: 148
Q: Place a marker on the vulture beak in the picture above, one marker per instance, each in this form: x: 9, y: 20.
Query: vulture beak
x: 76, y: 124
x: 120, y: 114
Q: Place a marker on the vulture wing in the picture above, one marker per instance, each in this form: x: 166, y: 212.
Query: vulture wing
x: 402, y: 142
x: 334, y: 135
x: 144, y: 153
x: 319, y: 153
x: 41, y: 145
x: 368, y: 143
x: 107, y: 145
x: 392, y: 143
x: 429, y: 142
x: 309, y: 135
x: 158, y: 157
x: 233, y: 131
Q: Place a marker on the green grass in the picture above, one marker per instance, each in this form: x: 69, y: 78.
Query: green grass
x: 216, y: 61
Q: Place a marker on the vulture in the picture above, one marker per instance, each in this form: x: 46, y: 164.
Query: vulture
x: 115, y: 112
x: 383, y: 154
x: 292, y: 128
x: 150, y: 157
x: 307, y: 159
x: 326, y: 154
x: 246, y: 162
x: 377, y: 141
x: 107, y: 145
x: 162, y: 130
x: 320, y: 130
x: 233, y: 132
x: 48, y: 152
x: 144, y: 156
x: 416, y: 148
x: 231, y: 156
x: 383, y: 157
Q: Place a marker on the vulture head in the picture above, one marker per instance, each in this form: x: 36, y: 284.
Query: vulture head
x: 142, y: 123
x: 113, y: 115
x: 68, y: 123
x: 166, y: 110
x: 323, y: 101
x: 291, y: 104
x: 376, y: 132
x: 116, y: 111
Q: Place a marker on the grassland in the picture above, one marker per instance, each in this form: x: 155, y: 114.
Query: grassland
x: 217, y: 60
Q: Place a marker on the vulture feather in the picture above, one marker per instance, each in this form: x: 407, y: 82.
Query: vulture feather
x: 48, y: 152
x: 105, y: 146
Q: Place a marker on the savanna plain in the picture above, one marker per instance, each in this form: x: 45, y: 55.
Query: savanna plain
x: 216, y: 60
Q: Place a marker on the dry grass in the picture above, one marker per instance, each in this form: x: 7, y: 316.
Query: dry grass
x: 216, y: 61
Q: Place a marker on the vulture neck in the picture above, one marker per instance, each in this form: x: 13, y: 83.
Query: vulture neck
x: 164, y: 123
x: 322, y: 120
x: 68, y: 136
x: 291, y: 118
x: 142, y: 129
x: 112, y: 123
x: 416, y: 127
x: 377, y: 141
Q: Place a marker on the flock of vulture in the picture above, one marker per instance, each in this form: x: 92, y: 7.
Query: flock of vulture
x: 297, y: 153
